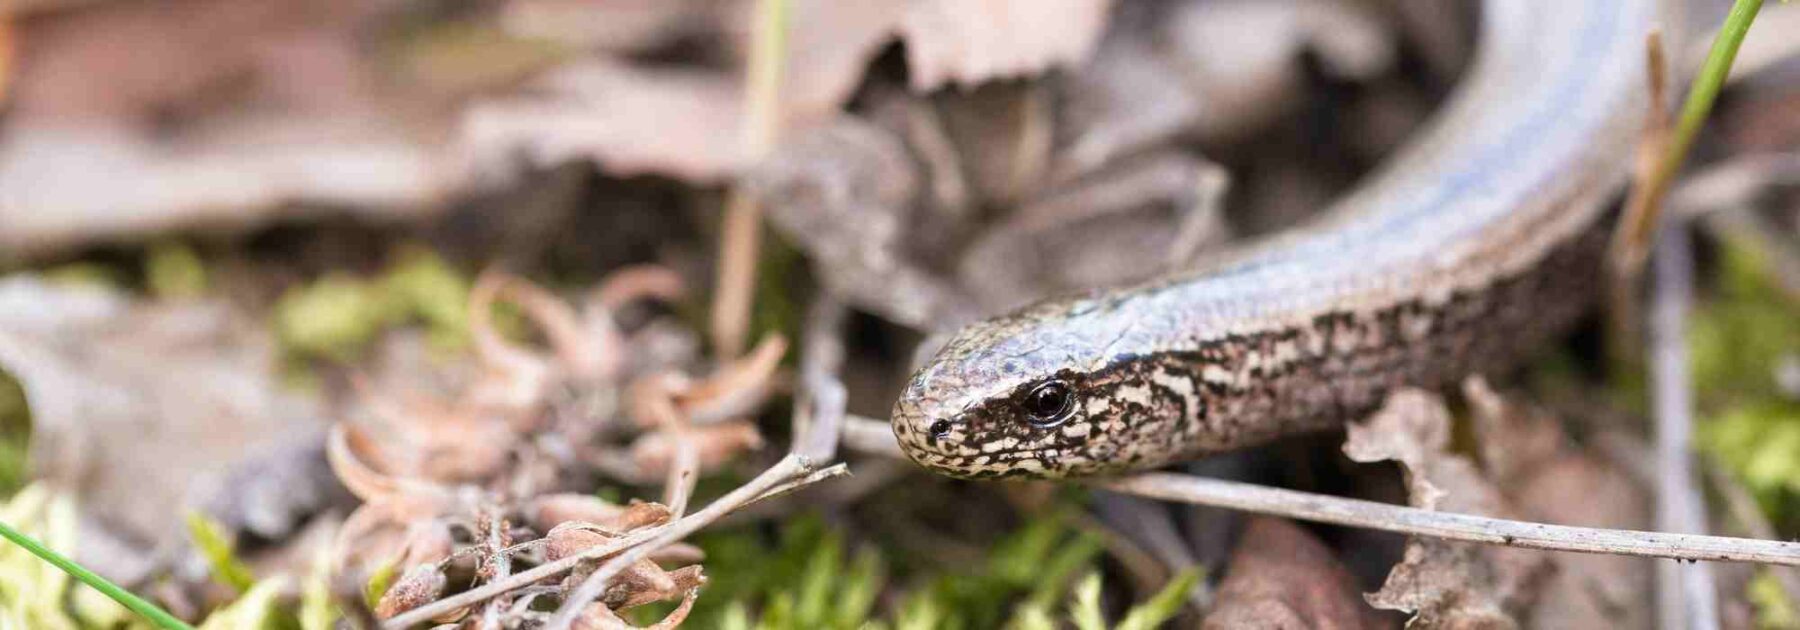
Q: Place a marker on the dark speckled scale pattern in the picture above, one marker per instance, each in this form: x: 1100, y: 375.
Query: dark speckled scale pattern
x: 1476, y: 244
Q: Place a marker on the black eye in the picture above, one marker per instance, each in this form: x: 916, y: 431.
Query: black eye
x: 1049, y: 402
x: 940, y: 429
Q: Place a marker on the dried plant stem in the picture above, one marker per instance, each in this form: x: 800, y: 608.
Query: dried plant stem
x: 822, y: 399
x: 742, y: 231
x: 8, y: 42
x: 1631, y: 239
x: 1668, y: 148
x: 1685, y: 594
x: 788, y: 469
x: 498, y: 558
x: 738, y: 252
x: 1406, y: 520
x: 871, y: 436
x: 526, y: 578
x: 684, y: 472
x: 1449, y: 526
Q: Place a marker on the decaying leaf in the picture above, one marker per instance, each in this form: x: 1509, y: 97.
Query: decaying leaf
x: 973, y: 42
x: 546, y: 512
x: 1243, y: 55
x: 716, y: 444
x: 645, y: 582
x: 598, y: 617
x: 1445, y: 584
x: 420, y: 585
x: 846, y: 193
x: 1281, y: 576
x: 683, y: 123
x: 304, y: 122
x: 146, y: 407
x: 1551, y: 480
x: 1069, y: 240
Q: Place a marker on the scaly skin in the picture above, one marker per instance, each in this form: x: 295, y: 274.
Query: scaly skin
x: 1481, y: 240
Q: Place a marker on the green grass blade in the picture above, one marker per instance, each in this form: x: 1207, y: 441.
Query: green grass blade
x: 149, y: 611
x: 1712, y: 78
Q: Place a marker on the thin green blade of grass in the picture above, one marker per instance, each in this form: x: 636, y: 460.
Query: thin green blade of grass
x: 149, y: 611
x: 1698, y: 106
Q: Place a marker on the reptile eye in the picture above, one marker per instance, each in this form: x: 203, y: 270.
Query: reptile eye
x: 940, y: 429
x: 1049, y: 402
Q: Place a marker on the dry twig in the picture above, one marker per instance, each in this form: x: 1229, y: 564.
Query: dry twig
x: 1684, y: 593
x: 789, y: 469
x: 1448, y: 526
x: 820, y: 410
x: 794, y: 479
x: 1631, y: 239
x: 743, y: 214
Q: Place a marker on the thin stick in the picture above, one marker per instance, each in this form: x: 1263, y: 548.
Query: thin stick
x: 518, y: 580
x: 871, y: 436
x: 1448, y: 526
x: 787, y: 469
x: 499, y: 559
x: 742, y: 230
x: 136, y: 604
x: 684, y: 472
x: 1631, y: 243
x: 820, y: 411
x: 8, y: 43
x: 1685, y: 594
x: 1625, y: 260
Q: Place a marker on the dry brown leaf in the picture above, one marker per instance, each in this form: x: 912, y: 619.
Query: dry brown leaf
x: 627, y: 26
x: 420, y: 585
x: 1550, y: 480
x: 1242, y: 56
x: 846, y: 193
x: 517, y: 378
x: 1281, y: 576
x: 545, y: 512
x: 1445, y: 584
x: 681, y: 123
x: 737, y: 388
x: 971, y: 42
x: 646, y: 583
x: 428, y: 439
x: 829, y: 43
x: 392, y: 532
x: 570, y: 539
x: 598, y: 617
x: 584, y: 353
x: 651, y: 400
x: 8, y: 44
x: 623, y: 286
x: 641, y: 583
x: 149, y: 408
x: 1123, y: 102
x: 716, y: 444
x: 1068, y: 240
x: 216, y: 113
x: 1515, y: 441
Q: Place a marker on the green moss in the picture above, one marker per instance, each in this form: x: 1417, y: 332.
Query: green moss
x: 338, y: 315
x: 811, y: 578
x: 1738, y: 340
x: 220, y: 552
x: 1773, y: 608
x: 172, y: 270
x: 15, y: 436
